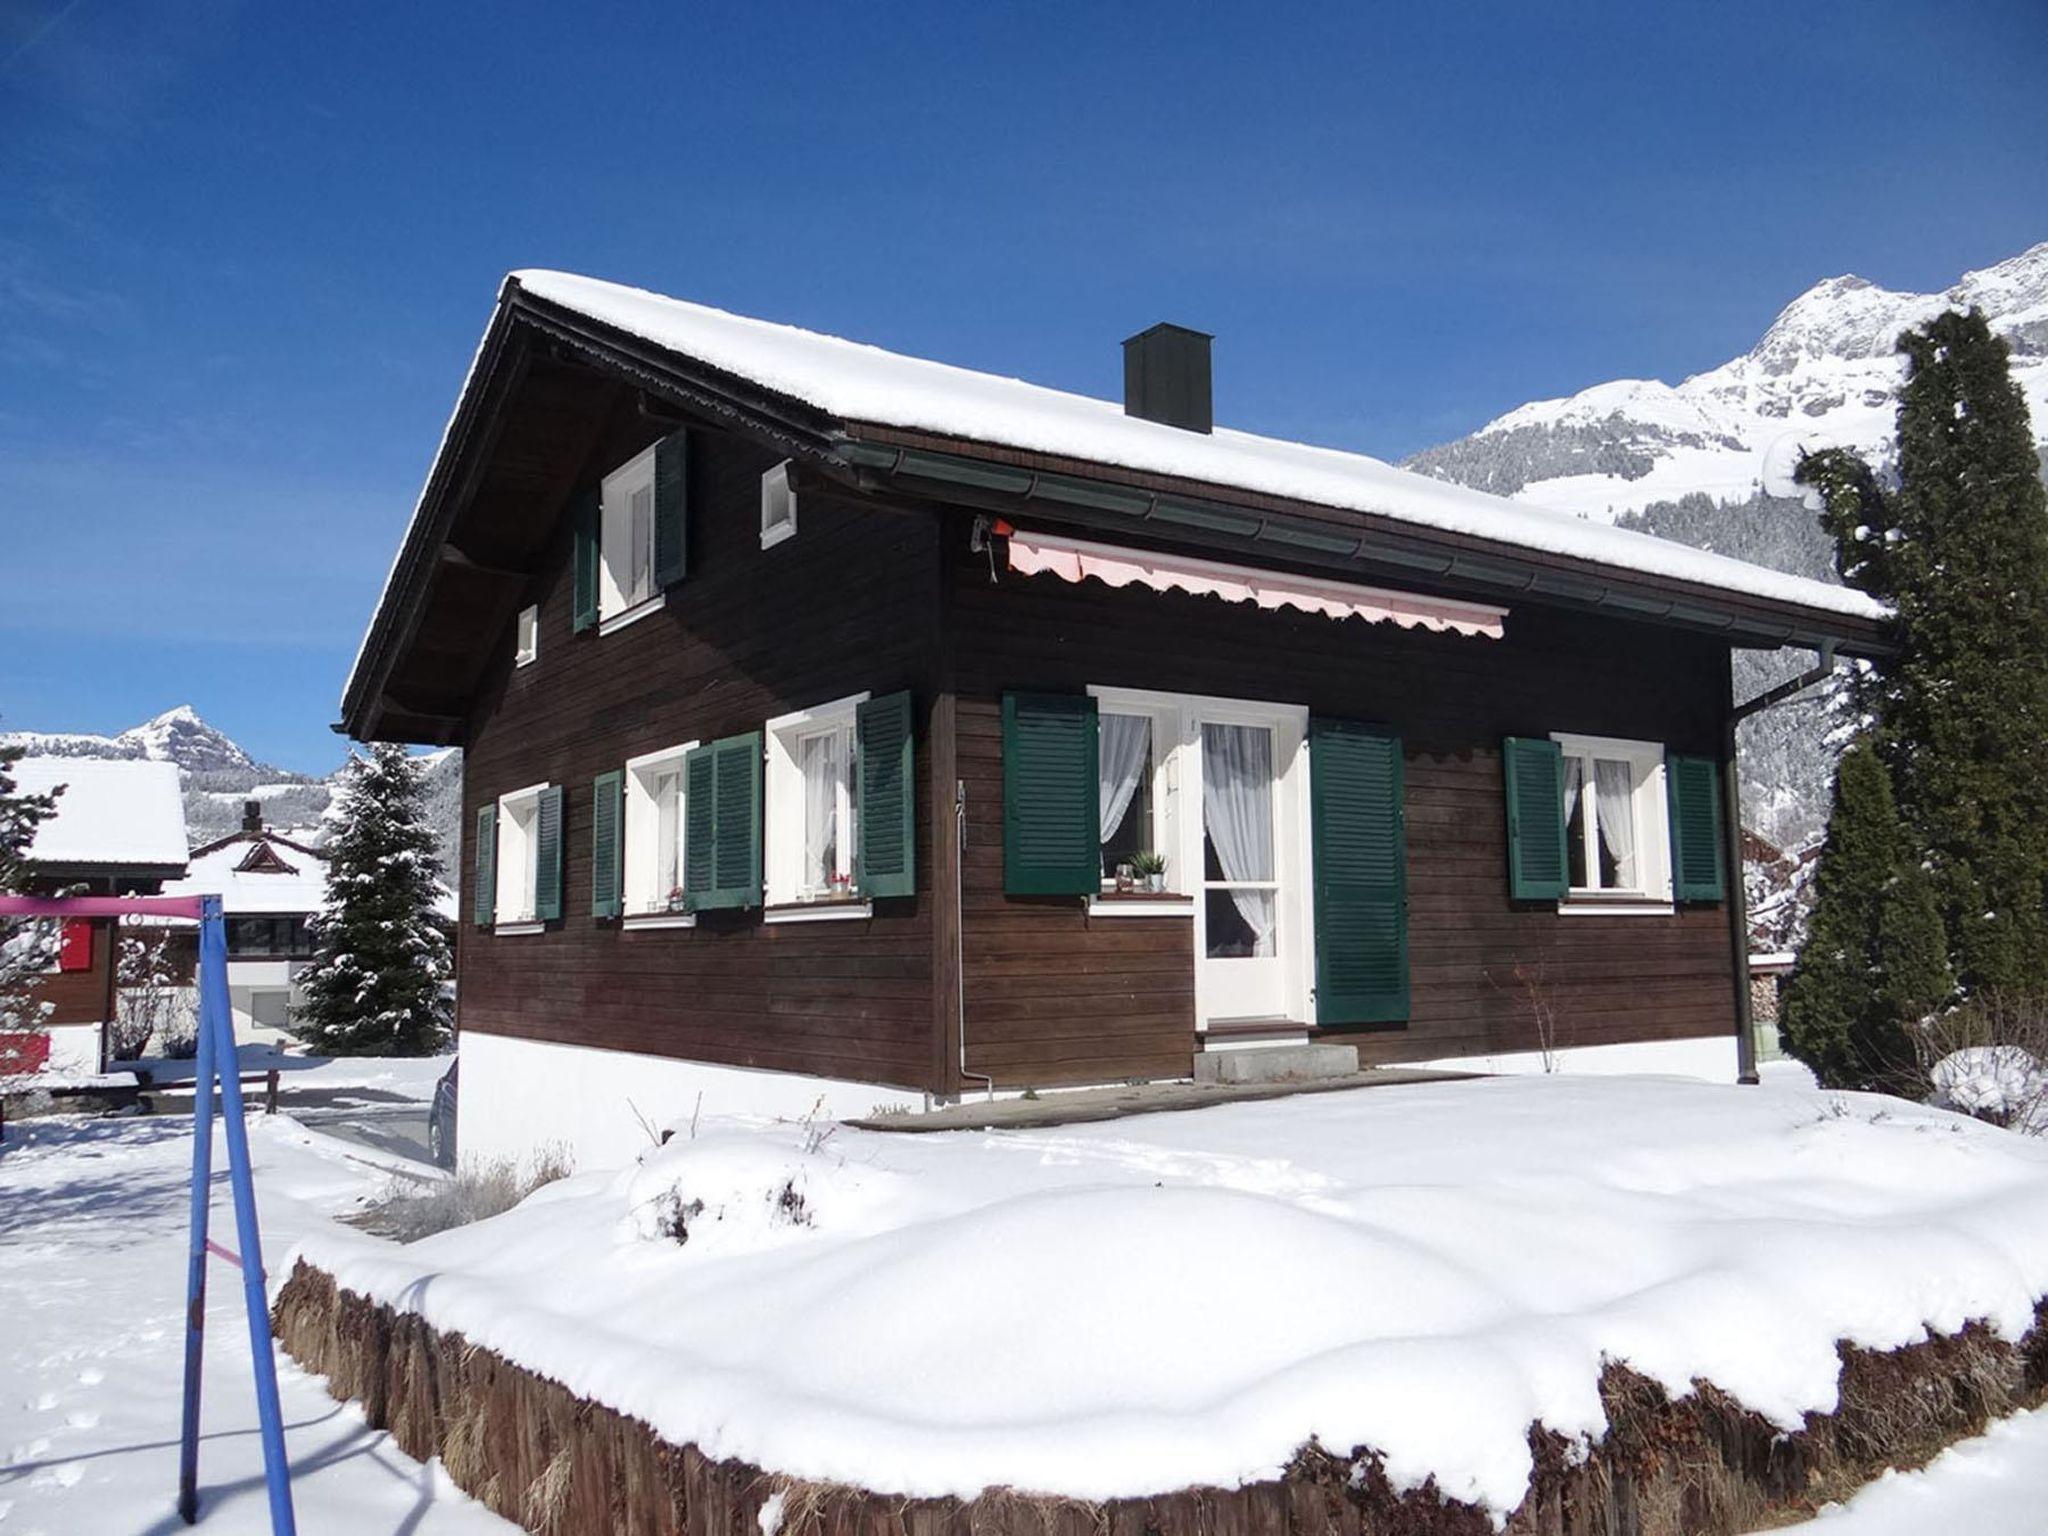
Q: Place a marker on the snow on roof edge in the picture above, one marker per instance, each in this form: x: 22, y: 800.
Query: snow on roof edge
x: 897, y: 390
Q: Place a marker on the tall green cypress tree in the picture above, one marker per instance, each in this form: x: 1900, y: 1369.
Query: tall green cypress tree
x: 381, y: 956
x: 1960, y: 717
x: 1874, y: 959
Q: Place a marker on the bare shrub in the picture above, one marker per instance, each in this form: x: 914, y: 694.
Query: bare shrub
x: 1989, y: 1058
x: 410, y: 1209
x: 148, y: 1001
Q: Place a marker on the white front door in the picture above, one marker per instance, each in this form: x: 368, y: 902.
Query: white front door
x: 1249, y: 906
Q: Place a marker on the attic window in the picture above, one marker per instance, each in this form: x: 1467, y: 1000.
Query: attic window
x: 625, y: 587
x: 778, y: 506
x: 528, y: 642
x: 262, y: 859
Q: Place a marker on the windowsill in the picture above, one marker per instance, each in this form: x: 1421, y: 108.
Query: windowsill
x: 1617, y: 904
x: 521, y: 662
x: 1140, y: 904
x: 518, y: 926
x: 781, y: 533
x: 818, y: 911
x: 660, y: 919
x: 632, y: 615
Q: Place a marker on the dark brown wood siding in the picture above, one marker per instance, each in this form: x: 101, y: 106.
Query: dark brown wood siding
x: 82, y: 997
x: 847, y: 605
x: 1054, y: 996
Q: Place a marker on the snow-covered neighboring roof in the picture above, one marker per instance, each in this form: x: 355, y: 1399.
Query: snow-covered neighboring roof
x: 861, y: 383
x: 128, y: 813
x: 300, y: 887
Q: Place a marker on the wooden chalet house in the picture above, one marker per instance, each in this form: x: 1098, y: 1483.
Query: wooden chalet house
x: 119, y: 831
x: 270, y: 887
x: 822, y: 706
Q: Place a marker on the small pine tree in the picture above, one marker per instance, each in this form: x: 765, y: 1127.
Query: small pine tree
x: 376, y: 986
x: 27, y: 946
x: 1874, y: 961
x: 1961, y: 715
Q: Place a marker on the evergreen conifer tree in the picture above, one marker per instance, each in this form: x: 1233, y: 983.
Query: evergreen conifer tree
x: 381, y: 951
x: 1960, y: 717
x: 1874, y: 961
x: 27, y: 946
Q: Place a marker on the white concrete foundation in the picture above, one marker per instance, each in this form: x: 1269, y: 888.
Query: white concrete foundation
x: 1710, y: 1058
x: 74, y: 1048
x: 517, y: 1096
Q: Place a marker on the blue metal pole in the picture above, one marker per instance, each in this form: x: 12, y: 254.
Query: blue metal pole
x: 211, y: 935
x: 213, y: 962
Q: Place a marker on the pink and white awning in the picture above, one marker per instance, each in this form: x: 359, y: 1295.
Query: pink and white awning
x: 1033, y: 554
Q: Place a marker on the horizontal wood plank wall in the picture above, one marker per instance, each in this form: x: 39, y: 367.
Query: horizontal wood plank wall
x: 751, y: 633
x: 80, y: 997
x: 1055, y: 997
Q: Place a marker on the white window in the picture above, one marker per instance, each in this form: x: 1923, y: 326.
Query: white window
x: 519, y: 856
x: 528, y: 637
x: 655, y: 800
x: 1617, y: 830
x: 810, y: 814
x: 778, y: 506
x: 625, y: 576
x: 1137, y: 769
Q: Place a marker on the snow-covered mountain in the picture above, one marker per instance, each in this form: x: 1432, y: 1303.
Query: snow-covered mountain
x: 218, y: 776
x: 1708, y: 462
x: 1826, y: 374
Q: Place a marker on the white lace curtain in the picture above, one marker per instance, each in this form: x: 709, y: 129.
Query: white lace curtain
x: 1121, y: 760
x: 1614, y: 785
x: 1237, y: 810
x: 822, y: 761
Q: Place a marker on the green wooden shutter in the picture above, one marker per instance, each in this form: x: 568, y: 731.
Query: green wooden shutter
x: 886, y: 863
x: 584, y: 515
x: 671, y: 509
x: 547, y: 855
x: 607, y: 842
x: 484, y: 902
x: 1359, y: 840
x: 1052, y: 819
x: 700, y: 820
x: 1538, y: 869
x: 1692, y: 786
x: 722, y: 824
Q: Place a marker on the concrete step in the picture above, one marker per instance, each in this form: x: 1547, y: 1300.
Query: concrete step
x: 1277, y: 1064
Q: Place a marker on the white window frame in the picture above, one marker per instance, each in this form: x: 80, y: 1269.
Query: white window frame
x: 1164, y: 712
x: 778, y: 506
x: 784, y: 898
x: 644, y: 905
x: 526, y: 633
x: 616, y: 605
x: 518, y: 853
x: 1651, y: 896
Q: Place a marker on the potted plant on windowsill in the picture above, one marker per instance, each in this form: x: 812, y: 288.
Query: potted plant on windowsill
x: 1150, y: 867
x: 677, y: 902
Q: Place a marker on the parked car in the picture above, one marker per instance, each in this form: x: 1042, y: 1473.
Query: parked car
x: 441, y: 1119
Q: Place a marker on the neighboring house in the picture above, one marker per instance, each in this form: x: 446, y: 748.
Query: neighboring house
x: 119, y: 830
x: 814, y: 697
x: 269, y: 886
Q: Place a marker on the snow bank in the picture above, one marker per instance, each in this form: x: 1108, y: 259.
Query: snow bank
x: 1182, y: 1299
x: 2002, y: 1083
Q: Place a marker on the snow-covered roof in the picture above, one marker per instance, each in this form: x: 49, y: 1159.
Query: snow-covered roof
x: 861, y: 383
x: 129, y: 813
x: 299, y: 886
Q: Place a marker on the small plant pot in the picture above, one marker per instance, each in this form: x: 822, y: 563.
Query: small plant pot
x: 1156, y: 883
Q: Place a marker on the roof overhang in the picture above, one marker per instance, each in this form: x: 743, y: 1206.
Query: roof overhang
x: 528, y: 336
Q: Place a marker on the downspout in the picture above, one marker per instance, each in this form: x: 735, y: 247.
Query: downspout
x: 960, y: 934
x: 1731, y: 818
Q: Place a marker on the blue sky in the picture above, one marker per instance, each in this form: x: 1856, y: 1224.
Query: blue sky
x: 245, y: 251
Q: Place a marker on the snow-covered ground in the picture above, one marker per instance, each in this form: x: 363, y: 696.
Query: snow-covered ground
x: 1185, y: 1298
x: 92, y: 1278
x: 1995, y: 1485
